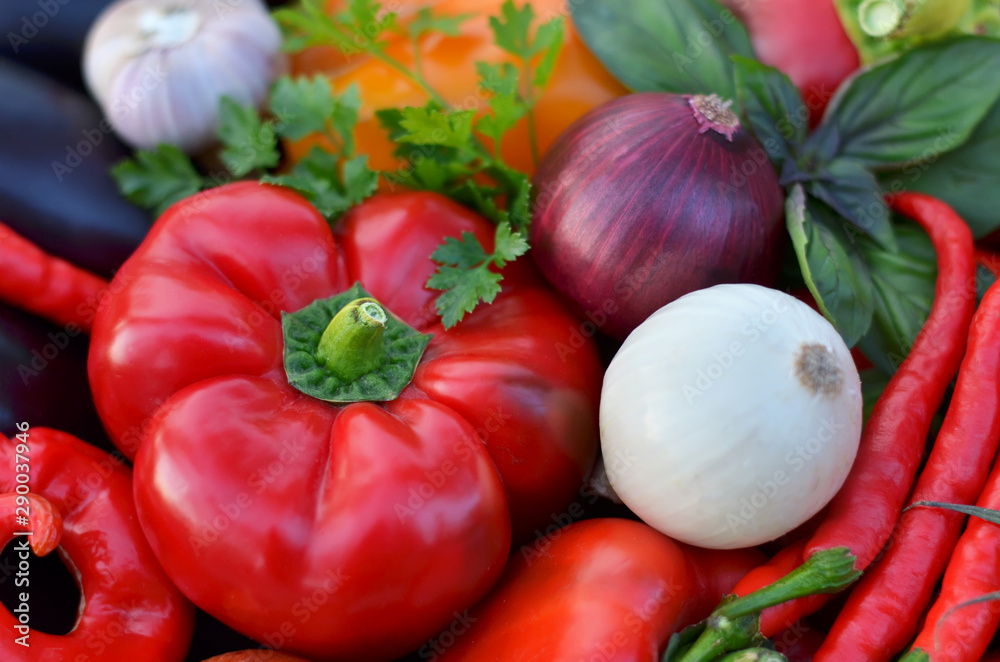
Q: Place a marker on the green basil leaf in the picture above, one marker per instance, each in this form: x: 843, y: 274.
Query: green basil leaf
x: 834, y: 273
x: 773, y: 106
x: 853, y: 192
x: 680, y: 46
x: 912, y: 106
x: 904, y: 282
x: 967, y: 178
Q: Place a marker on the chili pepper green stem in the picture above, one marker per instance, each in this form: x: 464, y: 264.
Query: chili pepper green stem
x: 828, y: 571
x: 351, y: 345
x: 915, y: 655
x: 754, y: 655
x: 724, y: 634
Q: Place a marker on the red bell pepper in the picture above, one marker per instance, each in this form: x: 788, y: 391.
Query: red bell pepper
x: 80, y: 501
x: 337, y: 531
x: 606, y: 589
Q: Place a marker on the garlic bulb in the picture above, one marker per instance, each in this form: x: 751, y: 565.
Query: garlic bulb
x: 730, y: 416
x: 159, y: 68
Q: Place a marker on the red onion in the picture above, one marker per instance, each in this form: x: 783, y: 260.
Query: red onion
x: 652, y: 196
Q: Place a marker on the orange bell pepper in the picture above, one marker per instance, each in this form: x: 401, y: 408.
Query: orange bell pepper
x: 578, y: 84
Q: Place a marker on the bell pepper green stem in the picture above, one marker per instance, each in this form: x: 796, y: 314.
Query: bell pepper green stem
x: 351, y: 345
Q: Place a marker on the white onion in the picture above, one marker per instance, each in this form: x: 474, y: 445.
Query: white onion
x: 730, y: 416
x: 159, y: 68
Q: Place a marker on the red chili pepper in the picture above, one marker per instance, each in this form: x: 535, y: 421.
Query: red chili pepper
x: 881, y: 614
x: 861, y: 517
x: 364, y: 525
x: 256, y: 655
x: 81, y: 500
x: 46, y: 285
x: 952, y: 630
x: 605, y: 589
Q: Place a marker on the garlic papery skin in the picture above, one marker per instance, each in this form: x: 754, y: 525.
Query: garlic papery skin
x: 159, y: 68
x: 730, y: 416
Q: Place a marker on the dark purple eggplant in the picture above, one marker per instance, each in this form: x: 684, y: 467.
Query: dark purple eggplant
x: 44, y: 369
x: 48, y: 35
x: 56, y: 151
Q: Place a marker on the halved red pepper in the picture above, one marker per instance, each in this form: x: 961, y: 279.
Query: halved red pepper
x: 80, y: 503
x: 605, y: 589
x: 334, y: 531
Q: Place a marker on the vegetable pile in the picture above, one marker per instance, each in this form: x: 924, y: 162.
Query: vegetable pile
x: 500, y: 330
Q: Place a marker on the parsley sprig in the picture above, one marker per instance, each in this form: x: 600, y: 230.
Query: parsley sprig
x: 333, y: 180
x: 455, y: 152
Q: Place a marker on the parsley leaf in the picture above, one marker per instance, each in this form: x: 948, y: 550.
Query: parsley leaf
x: 426, y: 22
x: 157, y: 178
x: 355, y: 30
x: 302, y: 106
x: 332, y: 189
x: 249, y: 142
x: 434, y: 126
x: 465, y: 274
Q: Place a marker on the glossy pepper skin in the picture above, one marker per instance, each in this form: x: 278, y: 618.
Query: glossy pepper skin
x: 881, y: 614
x: 46, y: 285
x: 81, y: 501
x: 239, y: 475
x: 954, y: 628
x: 607, y: 589
x: 579, y: 82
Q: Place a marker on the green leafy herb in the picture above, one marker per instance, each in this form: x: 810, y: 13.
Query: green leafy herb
x: 302, y: 105
x: 332, y: 180
x: 427, y: 22
x: 249, y: 143
x: 442, y: 147
x: 466, y: 274
x: 157, y: 178
x: 923, y: 103
x: 355, y: 30
x: 967, y: 178
x: 331, y: 187
x: 903, y: 282
x: 681, y: 46
x: 834, y: 274
x: 853, y: 192
x: 774, y: 107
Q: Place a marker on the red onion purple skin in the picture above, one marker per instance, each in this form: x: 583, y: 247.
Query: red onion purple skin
x: 635, y: 208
